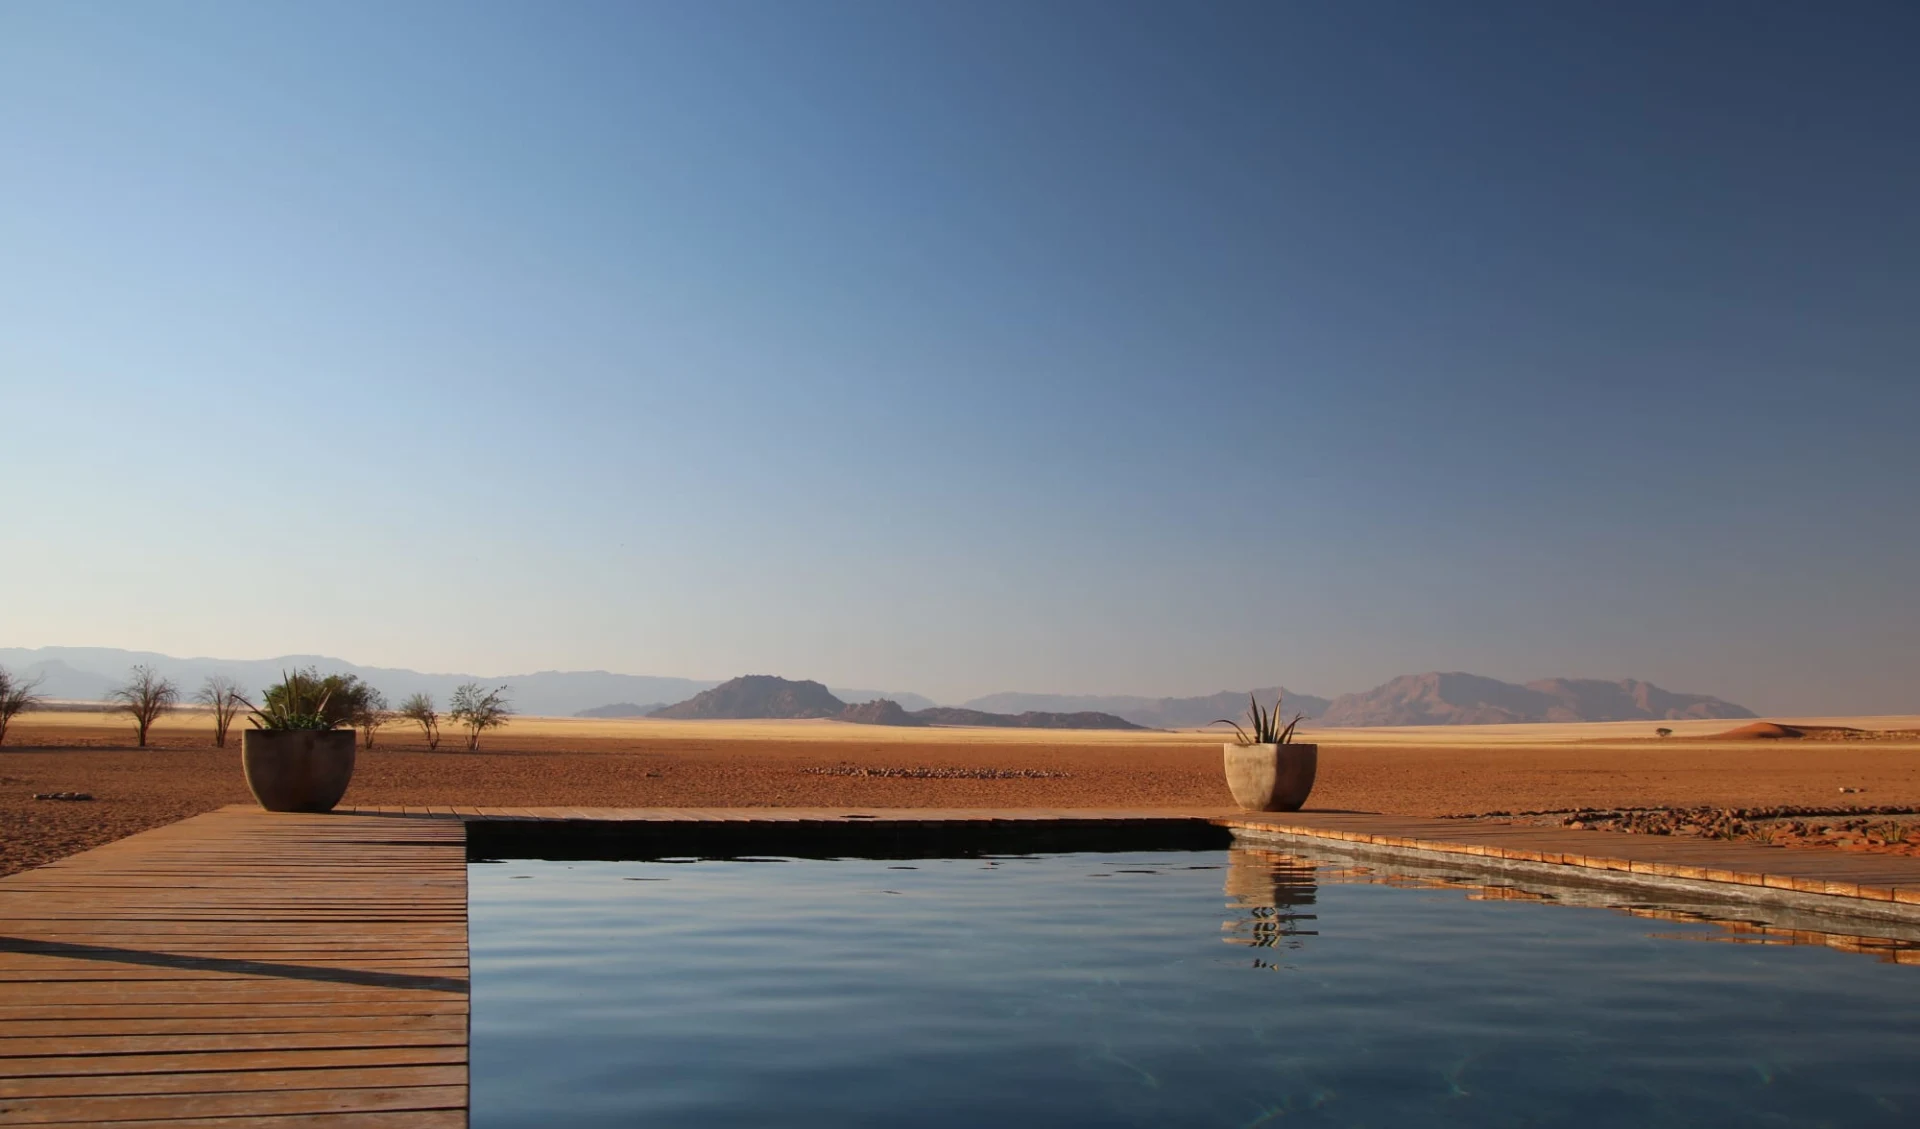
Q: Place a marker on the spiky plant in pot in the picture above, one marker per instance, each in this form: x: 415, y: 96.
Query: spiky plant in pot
x: 1263, y: 725
x: 298, y: 756
x: 1267, y: 770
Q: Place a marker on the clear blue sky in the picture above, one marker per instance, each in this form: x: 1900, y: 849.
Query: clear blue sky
x: 961, y: 347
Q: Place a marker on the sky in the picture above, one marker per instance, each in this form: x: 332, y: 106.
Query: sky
x: 1094, y: 347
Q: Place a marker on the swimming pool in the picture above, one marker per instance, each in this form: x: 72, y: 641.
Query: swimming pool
x: 1214, y: 988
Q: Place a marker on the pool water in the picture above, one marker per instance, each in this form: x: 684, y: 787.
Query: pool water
x: 1213, y: 988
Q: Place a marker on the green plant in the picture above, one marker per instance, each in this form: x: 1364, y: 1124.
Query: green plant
x: 300, y: 700
x: 1263, y: 725
x: 305, y: 700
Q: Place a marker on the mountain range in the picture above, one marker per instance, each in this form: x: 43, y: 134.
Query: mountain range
x: 1155, y: 713
x: 756, y: 696
x: 1438, y: 698
x: 1454, y: 698
x: 88, y: 673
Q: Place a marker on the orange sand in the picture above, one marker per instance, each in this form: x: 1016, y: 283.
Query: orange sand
x: 564, y: 762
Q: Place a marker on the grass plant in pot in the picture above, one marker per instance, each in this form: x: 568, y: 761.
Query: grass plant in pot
x: 299, y: 754
x: 1267, y: 770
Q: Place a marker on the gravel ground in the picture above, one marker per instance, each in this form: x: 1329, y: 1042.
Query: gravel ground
x: 135, y: 789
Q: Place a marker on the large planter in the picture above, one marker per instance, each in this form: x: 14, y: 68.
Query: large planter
x: 297, y: 769
x: 1271, y: 777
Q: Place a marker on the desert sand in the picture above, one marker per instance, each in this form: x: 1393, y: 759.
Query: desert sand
x: 647, y: 763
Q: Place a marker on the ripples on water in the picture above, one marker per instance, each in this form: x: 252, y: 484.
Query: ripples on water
x: 1231, y: 989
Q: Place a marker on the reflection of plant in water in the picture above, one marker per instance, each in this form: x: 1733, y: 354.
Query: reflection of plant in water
x: 1270, y: 886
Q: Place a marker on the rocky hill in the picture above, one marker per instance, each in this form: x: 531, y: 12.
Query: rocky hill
x: 758, y: 696
x: 1454, y: 698
x: 1593, y: 699
x: 1031, y: 719
x: 1154, y: 713
x: 765, y: 696
x: 880, y: 711
x: 621, y: 709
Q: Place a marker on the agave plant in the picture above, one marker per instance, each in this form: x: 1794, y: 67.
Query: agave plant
x: 299, y: 701
x: 1263, y: 725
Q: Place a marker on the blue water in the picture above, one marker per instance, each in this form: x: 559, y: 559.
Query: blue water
x: 1165, y: 988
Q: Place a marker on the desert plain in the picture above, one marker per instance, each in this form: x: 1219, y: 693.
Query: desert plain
x: 1440, y: 770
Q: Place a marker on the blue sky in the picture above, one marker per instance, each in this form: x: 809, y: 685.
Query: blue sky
x: 1094, y: 347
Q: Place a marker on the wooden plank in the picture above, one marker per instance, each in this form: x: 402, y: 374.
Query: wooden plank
x: 232, y: 1081
x: 408, y: 1119
x: 100, y: 1109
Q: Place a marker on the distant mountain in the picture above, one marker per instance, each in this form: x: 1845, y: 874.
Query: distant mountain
x: 766, y: 696
x: 1453, y: 698
x: 905, y: 700
x: 758, y: 696
x: 620, y: 709
x: 88, y: 673
x: 59, y: 679
x: 1154, y: 713
x: 880, y: 711
x: 1629, y: 699
x: 1031, y: 719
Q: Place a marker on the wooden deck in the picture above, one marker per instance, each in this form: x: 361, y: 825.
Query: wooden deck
x: 242, y: 970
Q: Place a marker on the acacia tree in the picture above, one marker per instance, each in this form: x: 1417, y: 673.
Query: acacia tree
x: 17, y: 695
x: 222, y: 695
x: 479, y: 710
x: 370, y: 712
x: 419, y: 710
x: 145, y: 697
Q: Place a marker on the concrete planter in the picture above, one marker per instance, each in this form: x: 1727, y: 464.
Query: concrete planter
x: 297, y: 769
x: 1271, y: 777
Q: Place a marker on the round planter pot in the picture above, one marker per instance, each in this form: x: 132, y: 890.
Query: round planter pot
x: 1271, y: 777
x: 297, y: 769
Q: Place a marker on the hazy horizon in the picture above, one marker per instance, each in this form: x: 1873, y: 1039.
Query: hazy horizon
x: 1080, y: 348
x: 327, y: 663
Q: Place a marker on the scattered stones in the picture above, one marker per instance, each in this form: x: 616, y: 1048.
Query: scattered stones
x: 939, y: 773
x: 1852, y: 828
x: 63, y: 795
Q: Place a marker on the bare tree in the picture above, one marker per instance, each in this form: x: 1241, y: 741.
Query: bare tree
x: 419, y: 710
x: 17, y: 695
x: 145, y: 697
x: 222, y: 695
x: 370, y: 712
x: 479, y: 710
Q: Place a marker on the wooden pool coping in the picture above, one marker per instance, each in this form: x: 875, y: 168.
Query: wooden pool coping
x: 246, y: 970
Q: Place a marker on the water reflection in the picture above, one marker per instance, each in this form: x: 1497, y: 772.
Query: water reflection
x: 1271, y: 886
